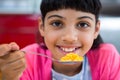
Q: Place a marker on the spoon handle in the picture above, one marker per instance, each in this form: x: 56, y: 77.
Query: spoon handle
x: 41, y: 54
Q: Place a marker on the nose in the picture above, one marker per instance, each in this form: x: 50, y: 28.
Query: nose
x: 70, y: 36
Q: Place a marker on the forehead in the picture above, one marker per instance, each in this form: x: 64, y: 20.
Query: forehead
x: 70, y: 13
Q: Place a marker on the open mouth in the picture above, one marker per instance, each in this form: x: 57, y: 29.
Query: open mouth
x: 68, y: 50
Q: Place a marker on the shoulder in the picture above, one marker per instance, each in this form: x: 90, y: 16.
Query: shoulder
x: 105, y: 54
x: 31, y: 47
x: 104, y: 49
x: 30, y: 56
x: 108, y: 50
x: 35, y: 47
x: 107, y: 47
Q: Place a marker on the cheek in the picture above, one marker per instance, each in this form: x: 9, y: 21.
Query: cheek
x: 87, y: 42
x: 50, y: 39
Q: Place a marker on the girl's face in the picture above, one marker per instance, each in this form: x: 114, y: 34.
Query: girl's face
x: 68, y: 30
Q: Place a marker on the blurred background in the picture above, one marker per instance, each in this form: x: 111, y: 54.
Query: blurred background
x: 19, y: 21
x: 110, y: 22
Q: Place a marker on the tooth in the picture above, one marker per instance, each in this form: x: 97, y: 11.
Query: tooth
x: 68, y: 49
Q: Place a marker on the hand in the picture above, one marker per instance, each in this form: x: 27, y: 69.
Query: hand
x: 12, y: 61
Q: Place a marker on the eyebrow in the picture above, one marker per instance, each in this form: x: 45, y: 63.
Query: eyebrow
x: 55, y: 16
x: 77, y: 18
x: 85, y: 17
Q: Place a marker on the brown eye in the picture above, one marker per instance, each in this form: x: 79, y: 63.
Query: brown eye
x: 82, y: 25
x: 56, y: 24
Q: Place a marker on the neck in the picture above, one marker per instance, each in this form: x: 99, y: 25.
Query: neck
x: 68, y: 70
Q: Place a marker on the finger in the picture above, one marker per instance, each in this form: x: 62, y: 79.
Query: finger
x: 12, y: 72
x: 14, y: 67
x: 12, y: 57
x: 19, y: 65
x: 14, y: 46
x: 4, y: 49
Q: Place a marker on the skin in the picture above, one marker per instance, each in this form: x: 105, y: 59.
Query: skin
x: 68, y: 30
x: 12, y: 61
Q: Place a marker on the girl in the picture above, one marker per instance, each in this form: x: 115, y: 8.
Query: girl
x: 67, y: 26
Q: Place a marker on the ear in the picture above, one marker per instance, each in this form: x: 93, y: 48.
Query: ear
x: 97, y: 29
x: 41, y: 27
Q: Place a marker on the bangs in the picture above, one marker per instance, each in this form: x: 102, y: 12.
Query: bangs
x: 91, y: 6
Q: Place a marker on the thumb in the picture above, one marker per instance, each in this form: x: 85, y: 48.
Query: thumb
x: 6, y: 48
x: 14, y: 46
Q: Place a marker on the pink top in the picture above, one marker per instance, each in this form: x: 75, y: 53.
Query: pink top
x: 104, y: 63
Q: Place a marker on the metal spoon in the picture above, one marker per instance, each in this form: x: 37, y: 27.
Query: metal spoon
x: 63, y: 62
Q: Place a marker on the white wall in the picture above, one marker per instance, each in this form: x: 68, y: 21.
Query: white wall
x: 110, y: 30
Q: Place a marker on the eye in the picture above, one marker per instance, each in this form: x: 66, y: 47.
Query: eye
x: 83, y: 25
x: 57, y: 24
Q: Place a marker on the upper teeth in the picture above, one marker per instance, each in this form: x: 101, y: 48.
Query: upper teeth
x: 68, y: 49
